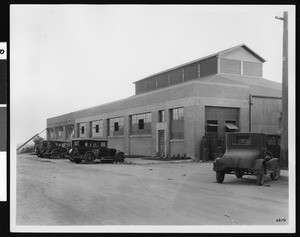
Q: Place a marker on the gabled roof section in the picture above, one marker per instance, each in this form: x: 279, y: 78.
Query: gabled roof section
x: 207, y: 57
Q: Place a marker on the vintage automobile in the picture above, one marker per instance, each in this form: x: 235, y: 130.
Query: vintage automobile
x: 247, y: 154
x: 52, y: 149
x: 91, y: 149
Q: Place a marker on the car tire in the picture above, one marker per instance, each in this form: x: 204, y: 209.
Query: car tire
x: 71, y: 159
x: 119, y: 158
x: 239, y: 174
x: 89, y: 158
x: 77, y: 161
x: 275, y: 175
x: 220, y: 175
x: 261, y: 177
x: 55, y: 155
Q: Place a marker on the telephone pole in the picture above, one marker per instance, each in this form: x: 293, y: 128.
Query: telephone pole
x: 284, y: 118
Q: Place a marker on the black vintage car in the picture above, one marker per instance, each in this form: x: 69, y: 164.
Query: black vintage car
x: 247, y: 153
x: 92, y: 149
x: 52, y: 149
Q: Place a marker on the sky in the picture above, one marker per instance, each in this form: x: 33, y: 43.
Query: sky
x: 64, y: 58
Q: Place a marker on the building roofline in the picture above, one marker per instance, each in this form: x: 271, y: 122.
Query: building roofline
x: 206, y: 57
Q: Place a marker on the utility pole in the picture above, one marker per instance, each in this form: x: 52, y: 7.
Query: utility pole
x: 284, y: 118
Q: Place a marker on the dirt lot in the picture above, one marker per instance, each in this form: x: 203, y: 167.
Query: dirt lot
x: 58, y: 192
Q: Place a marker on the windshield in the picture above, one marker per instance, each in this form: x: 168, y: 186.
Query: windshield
x: 242, y: 140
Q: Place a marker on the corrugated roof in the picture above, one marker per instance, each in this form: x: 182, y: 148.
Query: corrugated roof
x: 206, y: 57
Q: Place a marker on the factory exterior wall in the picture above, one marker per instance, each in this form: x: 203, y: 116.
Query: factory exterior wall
x: 117, y: 142
x: 141, y: 145
x: 193, y: 96
x: 178, y: 147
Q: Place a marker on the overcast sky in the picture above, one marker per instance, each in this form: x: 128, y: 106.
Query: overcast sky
x: 70, y: 57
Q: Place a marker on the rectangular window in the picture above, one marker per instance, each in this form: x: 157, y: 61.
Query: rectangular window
x: 177, y: 123
x: 97, y: 128
x: 139, y: 87
x: 162, y: 80
x: 176, y: 76
x: 116, y: 126
x: 242, y: 140
x: 161, y: 116
x: 252, y: 69
x: 70, y: 131
x: 212, y: 126
x: 141, y: 124
x: 191, y: 72
x: 230, y: 66
x: 82, y: 130
x: 208, y: 66
x: 150, y: 83
x: 230, y: 126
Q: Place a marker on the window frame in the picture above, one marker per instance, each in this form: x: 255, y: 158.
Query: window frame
x: 177, y: 123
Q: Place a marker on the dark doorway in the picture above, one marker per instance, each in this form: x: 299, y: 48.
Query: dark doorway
x: 161, y: 142
x: 219, y: 121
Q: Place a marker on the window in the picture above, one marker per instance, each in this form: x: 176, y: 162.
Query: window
x: 161, y: 116
x: 212, y: 126
x: 252, y: 69
x: 162, y: 80
x: 150, y: 83
x: 82, y: 129
x: 230, y: 66
x: 177, y: 123
x: 176, y: 76
x: 139, y: 87
x: 59, y: 132
x: 191, y: 72
x: 70, y: 131
x: 97, y: 128
x: 230, y: 126
x: 141, y: 123
x: 208, y: 66
x: 242, y: 140
x: 116, y: 126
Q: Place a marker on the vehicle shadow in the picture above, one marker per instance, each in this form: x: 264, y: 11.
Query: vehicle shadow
x: 246, y: 180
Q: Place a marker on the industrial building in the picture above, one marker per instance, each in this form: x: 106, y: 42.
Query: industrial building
x: 174, y: 111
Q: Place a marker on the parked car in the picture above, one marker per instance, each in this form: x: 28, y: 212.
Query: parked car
x: 91, y: 149
x: 247, y: 153
x: 52, y: 149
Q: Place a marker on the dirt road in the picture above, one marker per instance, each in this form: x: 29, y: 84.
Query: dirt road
x: 58, y: 192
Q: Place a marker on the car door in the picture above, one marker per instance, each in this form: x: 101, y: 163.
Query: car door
x: 103, y: 149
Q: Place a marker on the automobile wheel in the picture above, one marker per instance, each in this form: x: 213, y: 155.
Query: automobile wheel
x: 38, y: 154
x: 71, y: 159
x: 275, y: 175
x: 55, y: 155
x: 89, y: 158
x: 77, y: 161
x: 220, y: 175
x: 119, y: 158
x: 42, y: 154
x: 239, y: 174
x: 261, y: 176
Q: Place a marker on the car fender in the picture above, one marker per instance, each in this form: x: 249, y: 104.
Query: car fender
x: 120, y: 152
x: 54, y: 151
x: 256, y: 167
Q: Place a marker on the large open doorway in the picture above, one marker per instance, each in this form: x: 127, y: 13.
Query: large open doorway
x: 219, y: 121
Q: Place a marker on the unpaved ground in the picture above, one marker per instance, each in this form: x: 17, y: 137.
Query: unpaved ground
x: 58, y: 192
